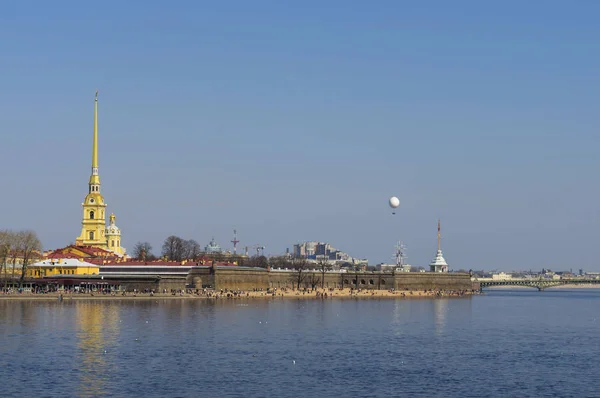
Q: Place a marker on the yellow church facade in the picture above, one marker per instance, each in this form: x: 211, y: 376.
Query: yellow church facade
x: 94, y: 232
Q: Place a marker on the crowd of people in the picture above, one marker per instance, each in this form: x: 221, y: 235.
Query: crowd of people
x: 322, y: 293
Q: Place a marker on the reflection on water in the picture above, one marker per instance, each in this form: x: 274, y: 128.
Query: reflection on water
x: 290, y: 348
x: 97, y: 332
x: 399, y: 317
x: 440, y: 309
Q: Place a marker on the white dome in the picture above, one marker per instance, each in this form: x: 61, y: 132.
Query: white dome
x: 113, y: 230
x: 439, y: 259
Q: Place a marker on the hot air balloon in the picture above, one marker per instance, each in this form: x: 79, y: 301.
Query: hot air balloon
x: 394, y: 202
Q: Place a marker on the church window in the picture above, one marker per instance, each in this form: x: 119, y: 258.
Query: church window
x: 91, y: 215
x: 91, y: 235
x: 112, y: 243
x: 92, y: 200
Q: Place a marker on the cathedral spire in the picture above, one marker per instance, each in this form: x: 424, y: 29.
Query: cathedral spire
x: 95, y: 178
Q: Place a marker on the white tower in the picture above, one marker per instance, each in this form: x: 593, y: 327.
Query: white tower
x: 439, y: 263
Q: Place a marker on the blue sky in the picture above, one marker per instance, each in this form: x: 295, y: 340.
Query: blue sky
x: 293, y: 122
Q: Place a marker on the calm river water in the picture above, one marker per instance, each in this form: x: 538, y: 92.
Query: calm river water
x: 504, y: 344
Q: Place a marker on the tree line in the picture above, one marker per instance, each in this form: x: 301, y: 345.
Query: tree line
x: 300, y: 267
x: 18, y: 249
x: 174, y: 248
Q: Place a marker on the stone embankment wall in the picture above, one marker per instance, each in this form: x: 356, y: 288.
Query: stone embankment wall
x: 245, y: 278
x: 167, y: 283
x: 433, y: 280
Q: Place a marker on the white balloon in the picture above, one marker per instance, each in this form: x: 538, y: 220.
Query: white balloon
x: 394, y: 202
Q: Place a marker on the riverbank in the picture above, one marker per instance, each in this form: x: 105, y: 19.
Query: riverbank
x: 219, y: 295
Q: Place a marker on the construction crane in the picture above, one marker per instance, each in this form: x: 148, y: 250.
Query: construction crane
x: 258, y: 249
x: 235, y: 241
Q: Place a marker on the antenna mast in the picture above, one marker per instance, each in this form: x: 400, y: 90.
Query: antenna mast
x: 400, y: 254
x: 439, y: 236
x: 235, y: 241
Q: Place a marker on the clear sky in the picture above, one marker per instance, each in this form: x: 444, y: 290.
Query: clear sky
x: 294, y: 121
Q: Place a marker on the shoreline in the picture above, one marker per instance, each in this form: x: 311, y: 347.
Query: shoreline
x: 317, y: 294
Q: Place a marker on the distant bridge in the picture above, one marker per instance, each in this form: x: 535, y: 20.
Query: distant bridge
x: 540, y: 284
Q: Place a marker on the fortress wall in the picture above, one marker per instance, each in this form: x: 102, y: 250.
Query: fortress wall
x: 368, y: 280
x: 256, y: 278
x: 308, y: 280
x: 169, y: 283
x: 157, y: 284
x: 201, y: 277
x: 241, y: 278
x: 433, y: 280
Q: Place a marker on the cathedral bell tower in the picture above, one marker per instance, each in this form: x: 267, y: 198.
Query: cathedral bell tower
x: 113, y: 237
x: 93, y: 226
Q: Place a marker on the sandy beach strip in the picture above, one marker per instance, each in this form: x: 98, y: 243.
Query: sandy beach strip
x: 316, y: 294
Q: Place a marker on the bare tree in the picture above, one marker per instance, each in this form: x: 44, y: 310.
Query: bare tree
x: 258, y: 261
x: 143, y: 251
x: 314, y: 279
x: 300, y: 266
x: 31, y: 248
x: 217, y: 256
x: 6, y: 239
x: 174, y: 248
x: 323, y: 266
x: 279, y: 262
x: 193, y: 249
x: 15, y: 251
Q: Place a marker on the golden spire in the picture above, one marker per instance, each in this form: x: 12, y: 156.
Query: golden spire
x: 95, y: 178
x: 95, y: 149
